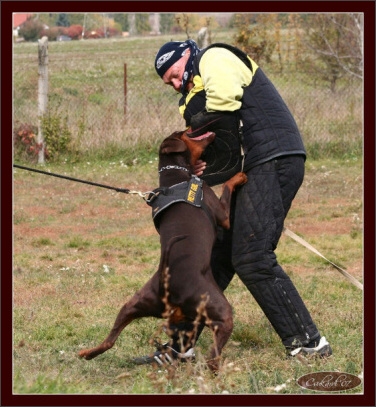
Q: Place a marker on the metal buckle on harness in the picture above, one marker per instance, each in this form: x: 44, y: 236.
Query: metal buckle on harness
x: 152, y: 196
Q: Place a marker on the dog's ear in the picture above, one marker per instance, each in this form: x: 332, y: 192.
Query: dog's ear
x: 173, y: 145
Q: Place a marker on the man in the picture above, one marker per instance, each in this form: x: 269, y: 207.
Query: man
x: 225, y: 91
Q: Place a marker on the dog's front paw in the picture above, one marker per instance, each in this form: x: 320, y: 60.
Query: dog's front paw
x: 240, y: 178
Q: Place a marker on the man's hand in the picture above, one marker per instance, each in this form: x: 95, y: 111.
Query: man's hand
x: 199, y: 167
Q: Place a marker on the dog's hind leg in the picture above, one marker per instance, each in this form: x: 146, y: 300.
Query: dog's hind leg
x: 145, y: 303
x: 221, y: 333
x: 220, y: 321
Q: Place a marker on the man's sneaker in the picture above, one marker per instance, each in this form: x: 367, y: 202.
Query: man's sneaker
x: 323, y: 350
x: 165, y: 355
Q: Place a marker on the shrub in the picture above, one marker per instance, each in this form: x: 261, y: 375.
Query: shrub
x: 255, y: 41
x: 52, y: 33
x: 31, y: 30
x: 25, y: 145
x: 57, y: 136
x: 74, y: 31
x: 93, y: 34
x: 113, y: 32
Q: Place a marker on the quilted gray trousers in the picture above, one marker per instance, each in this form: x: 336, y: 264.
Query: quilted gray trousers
x: 259, y: 210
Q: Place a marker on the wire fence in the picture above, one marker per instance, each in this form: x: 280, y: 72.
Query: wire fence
x: 107, y: 92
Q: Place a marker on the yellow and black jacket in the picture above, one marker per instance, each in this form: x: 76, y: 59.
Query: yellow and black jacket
x: 227, y: 80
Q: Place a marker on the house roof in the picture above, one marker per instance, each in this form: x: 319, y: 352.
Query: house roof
x: 19, y: 18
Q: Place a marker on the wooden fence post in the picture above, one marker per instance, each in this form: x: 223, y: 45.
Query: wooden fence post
x: 42, y: 92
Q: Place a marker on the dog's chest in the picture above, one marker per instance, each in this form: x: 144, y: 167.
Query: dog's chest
x: 190, y: 192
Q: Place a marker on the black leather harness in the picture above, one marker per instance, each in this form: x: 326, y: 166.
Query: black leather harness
x: 189, y: 192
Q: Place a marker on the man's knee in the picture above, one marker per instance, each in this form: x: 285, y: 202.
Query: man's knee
x: 252, y: 273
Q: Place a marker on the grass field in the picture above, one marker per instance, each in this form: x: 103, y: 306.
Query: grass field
x: 80, y: 252
x: 86, y: 87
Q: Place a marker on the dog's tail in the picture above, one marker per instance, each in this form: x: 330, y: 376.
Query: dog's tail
x: 164, y: 268
x: 167, y: 250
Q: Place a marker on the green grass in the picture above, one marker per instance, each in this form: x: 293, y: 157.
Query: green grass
x: 86, y: 84
x: 80, y: 252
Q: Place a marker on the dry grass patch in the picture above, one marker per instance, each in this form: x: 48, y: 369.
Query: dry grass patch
x: 80, y: 252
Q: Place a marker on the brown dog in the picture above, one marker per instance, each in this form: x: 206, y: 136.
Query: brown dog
x: 187, y: 228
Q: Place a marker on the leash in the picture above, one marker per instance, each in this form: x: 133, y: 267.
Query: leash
x: 308, y: 246
x: 124, y: 190
x: 151, y: 195
x: 295, y: 236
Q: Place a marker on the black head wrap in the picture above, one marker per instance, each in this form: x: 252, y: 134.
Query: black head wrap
x: 170, y: 53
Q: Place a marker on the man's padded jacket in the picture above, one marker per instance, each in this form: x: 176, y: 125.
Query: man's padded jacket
x: 226, y: 79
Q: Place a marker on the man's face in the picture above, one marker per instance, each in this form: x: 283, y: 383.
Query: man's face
x: 174, y: 74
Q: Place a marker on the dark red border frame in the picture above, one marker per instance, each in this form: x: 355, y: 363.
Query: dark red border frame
x: 366, y: 399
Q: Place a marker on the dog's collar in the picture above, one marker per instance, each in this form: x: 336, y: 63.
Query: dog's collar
x: 173, y: 167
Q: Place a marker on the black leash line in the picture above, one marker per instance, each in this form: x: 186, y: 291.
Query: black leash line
x: 124, y: 190
x: 151, y: 194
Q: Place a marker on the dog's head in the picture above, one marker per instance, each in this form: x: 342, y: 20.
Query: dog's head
x: 185, y: 150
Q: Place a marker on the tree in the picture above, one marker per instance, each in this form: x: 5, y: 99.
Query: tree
x: 51, y: 19
x: 63, y: 20
x: 142, y: 23
x: 122, y: 19
x: 188, y: 23
x: 31, y: 30
x: 138, y: 23
x: 234, y: 19
x: 132, y: 23
x: 76, y: 18
x: 155, y: 22
x: 257, y: 40
x: 336, y: 44
x: 166, y: 22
